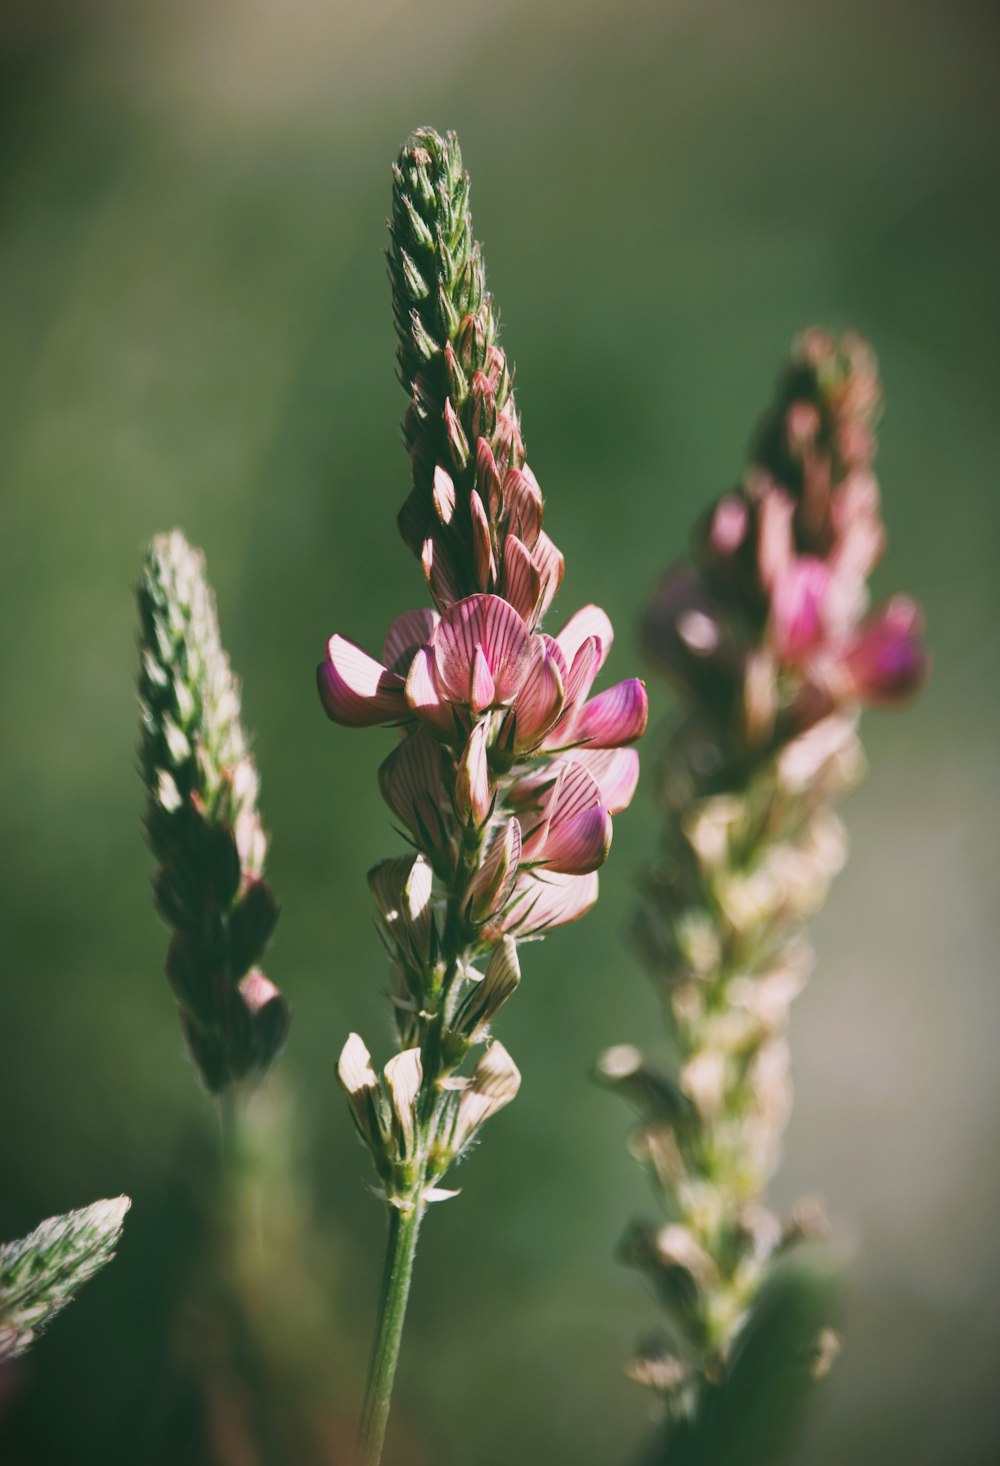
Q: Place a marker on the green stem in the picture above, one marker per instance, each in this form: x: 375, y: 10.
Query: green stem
x: 400, y: 1250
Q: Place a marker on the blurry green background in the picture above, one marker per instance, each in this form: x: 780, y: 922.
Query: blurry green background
x: 195, y: 330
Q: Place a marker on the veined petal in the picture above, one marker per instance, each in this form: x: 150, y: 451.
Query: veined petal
x: 473, y: 799
x: 412, y: 786
x: 588, y: 621
x: 523, y: 504
x: 522, y: 582
x: 482, y: 550
x: 549, y: 562
x: 616, y: 771
x: 487, y: 477
x: 578, y: 682
x: 614, y: 717
x: 579, y: 844
x: 409, y: 631
x: 489, y: 624
x: 356, y: 690
x: 439, y: 571
x: 573, y: 790
x: 548, y: 899
x: 539, y: 702
x: 422, y: 693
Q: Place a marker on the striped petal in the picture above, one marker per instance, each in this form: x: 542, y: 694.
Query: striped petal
x: 522, y: 581
x: 616, y: 771
x: 549, y: 562
x: 482, y: 549
x: 412, y: 786
x: 588, y: 621
x: 579, y: 681
x: 439, y: 572
x: 573, y: 791
x: 477, y: 635
x: 540, y: 700
x: 357, y: 691
x: 547, y: 899
x: 579, y: 844
x: 614, y: 717
x: 409, y: 631
x: 523, y: 502
x: 494, y: 880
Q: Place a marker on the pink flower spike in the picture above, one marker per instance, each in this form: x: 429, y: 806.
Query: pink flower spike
x: 357, y: 691
x: 614, y: 717
x: 797, y: 606
x: 522, y: 582
x: 409, y: 631
x: 422, y: 693
x: 547, y: 899
x: 539, y: 702
x: 616, y: 771
x: 472, y: 783
x: 476, y: 636
x: 588, y: 621
x: 887, y: 661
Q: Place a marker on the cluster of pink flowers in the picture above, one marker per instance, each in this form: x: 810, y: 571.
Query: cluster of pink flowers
x: 499, y: 730
x: 770, y: 624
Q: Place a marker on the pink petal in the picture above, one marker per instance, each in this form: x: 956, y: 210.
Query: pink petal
x: 578, y: 683
x: 494, y: 627
x: 614, y: 717
x: 729, y: 525
x: 482, y: 689
x: 422, y: 693
x: 539, y: 702
x: 886, y: 662
x: 797, y: 604
x: 409, y: 631
x: 775, y: 543
x: 473, y: 799
x: 572, y: 791
x: 356, y: 690
x: 412, y: 787
x: 482, y: 550
x: 579, y: 844
x: 550, y: 565
x: 523, y: 503
x: 616, y: 771
x: 588, y: 621
x: 521, y: 580
x: 547, y: 899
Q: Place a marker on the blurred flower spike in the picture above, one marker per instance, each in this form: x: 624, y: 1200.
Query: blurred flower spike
x: 202, y: 823
x: 767, y: 635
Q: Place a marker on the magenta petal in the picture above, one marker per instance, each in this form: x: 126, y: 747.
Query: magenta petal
x: 797, y: 604
x: 539, y: 702
x: 356, y: 690
x: 572, y: 791
x: 578, y: 683
x: 616, y: 771
x: 489, y: 624
x: 422, y: 693
x: 409, y: 631
x: 580, y: 844
x: 549, y: 562
x: 521, y: 580
x: 547, y: 899
x: 588, y: 621
x: 614, y: 717
x: 472, y: 783
x: 886, y: 662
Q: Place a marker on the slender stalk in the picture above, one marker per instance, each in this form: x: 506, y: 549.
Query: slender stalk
x: 401, y: 1248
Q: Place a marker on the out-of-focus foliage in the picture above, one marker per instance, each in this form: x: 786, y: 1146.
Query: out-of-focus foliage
x: 196, y: 330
